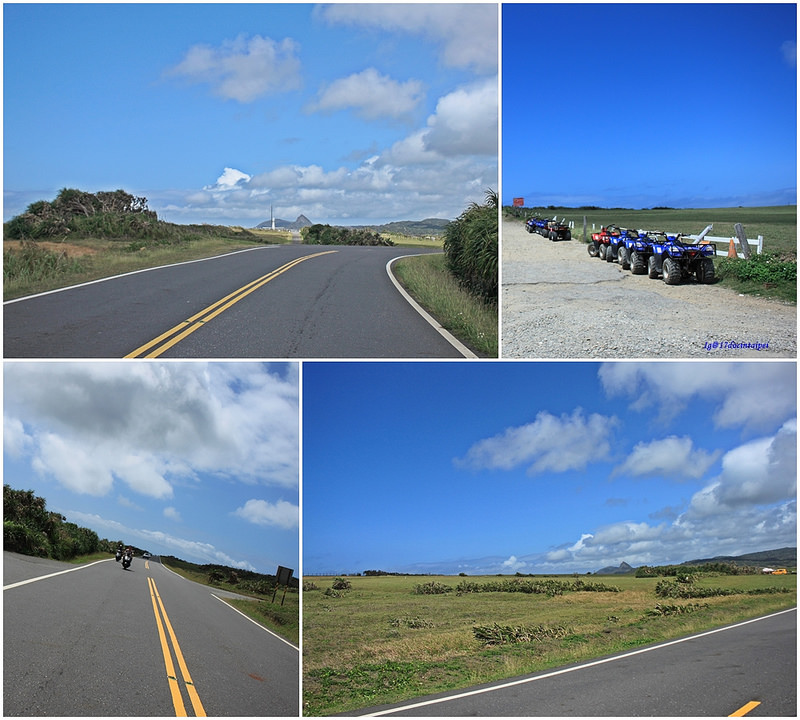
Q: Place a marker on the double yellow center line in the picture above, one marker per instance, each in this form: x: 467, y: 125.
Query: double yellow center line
x: 174, y: 335
x: 174, y: 688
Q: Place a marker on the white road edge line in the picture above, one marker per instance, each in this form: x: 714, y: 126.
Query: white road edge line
x: 563, y: 671
x: 455, y: 342
x: 44, y: 577
x: 255, y: 623
x: 133, y: 272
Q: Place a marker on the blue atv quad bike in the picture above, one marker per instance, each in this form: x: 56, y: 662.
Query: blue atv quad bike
x: 616, y: 248
x: 536, y: 225
x: 676, y: 261
x: 637, y: 249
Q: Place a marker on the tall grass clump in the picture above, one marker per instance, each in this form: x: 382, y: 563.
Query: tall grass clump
x: 33, y: 263
x: 470, y: 246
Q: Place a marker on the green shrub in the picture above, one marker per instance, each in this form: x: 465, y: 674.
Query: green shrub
x: 763, y: 268
x: 432, y: 588
x: 24, y: 539
x: 470, y: 245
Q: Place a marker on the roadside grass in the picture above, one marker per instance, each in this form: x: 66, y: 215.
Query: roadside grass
x: 38, y: 266
x: 428, y: 281
x: 379, y: 642
x: 281, y: 619
x: 411, y: 241
x: 93, y: 557
x: 773, y: 275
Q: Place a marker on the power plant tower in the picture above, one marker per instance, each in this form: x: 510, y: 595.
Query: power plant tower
x: 271, y: 217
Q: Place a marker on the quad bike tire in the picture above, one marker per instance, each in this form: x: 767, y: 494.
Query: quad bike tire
x: 672, y: 272
x: 602, y: 252
x: 652, y: 268
x: 705, y: 271
x: 624, y: 260
x: 638, y: 266
x: 592, y: 249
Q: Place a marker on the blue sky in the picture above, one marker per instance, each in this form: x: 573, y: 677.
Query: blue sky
x: 346, y: 113
x: 642, y: 104
x: 196, y: 460
x: 544, y: 467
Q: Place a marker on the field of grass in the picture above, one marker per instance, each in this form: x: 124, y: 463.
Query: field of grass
x: 430, y: 283
x: 380, y: 642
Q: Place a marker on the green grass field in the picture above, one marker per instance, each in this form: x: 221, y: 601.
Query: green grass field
x: 379, y: 642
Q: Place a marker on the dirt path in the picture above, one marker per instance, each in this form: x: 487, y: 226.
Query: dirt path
x: 557, y: 302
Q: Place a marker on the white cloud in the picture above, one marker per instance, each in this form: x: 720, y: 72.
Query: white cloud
x: 760, y: 472
x: 789, y: 52
x: 513, y: 565
x: 172, y: 513
x: 466, y: 33
x: 281, y: 514
x: 548, y: 443
x: 243, y: 69
x: 371, y: 94
x: 750, y: 506
x: 15, y: 440
x: 671, y: 457
x: 752, y: 395
x: 230, y: 179
x: 148, y: 425
x: 465, y: 122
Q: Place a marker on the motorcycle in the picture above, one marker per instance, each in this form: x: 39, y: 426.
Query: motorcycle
x: 119, y: 555
x: 126, y: 560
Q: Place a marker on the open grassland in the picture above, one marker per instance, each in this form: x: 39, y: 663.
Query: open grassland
x: 466, y: 316
x: 380, y: 642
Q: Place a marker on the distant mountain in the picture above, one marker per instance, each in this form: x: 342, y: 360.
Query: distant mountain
x: 413, y: 228
x: 623, y: 569
x: 301, y: 222
x: 782, y: 557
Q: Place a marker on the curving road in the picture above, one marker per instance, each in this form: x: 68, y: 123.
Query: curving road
x: 87, y: 642
x: 281, y: 301
x: 749, y: 667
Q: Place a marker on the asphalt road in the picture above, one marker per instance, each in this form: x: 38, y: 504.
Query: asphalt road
x: 87, y: 643
x: 283, y: 301
x: 710, y: 674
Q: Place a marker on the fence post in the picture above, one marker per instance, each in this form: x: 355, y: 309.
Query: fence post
x: 584, y: 228
x: 760, y: 244
x: 740, y: 234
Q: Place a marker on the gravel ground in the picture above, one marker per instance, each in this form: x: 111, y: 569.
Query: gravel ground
x: 557, y: 302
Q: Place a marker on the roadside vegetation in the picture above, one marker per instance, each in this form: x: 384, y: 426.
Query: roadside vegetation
x: 276, y: 607
x: 772, y: 274
x: 459, y: 288
x: 30, y: 529
x: 80, y: 236
x: 378, y: 640
x: 330, y: 235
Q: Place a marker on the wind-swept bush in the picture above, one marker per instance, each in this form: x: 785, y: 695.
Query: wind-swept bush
x: 504, y: 634
x: 470, y: 245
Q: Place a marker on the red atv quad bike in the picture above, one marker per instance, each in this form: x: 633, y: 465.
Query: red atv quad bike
x: 601, y: 240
